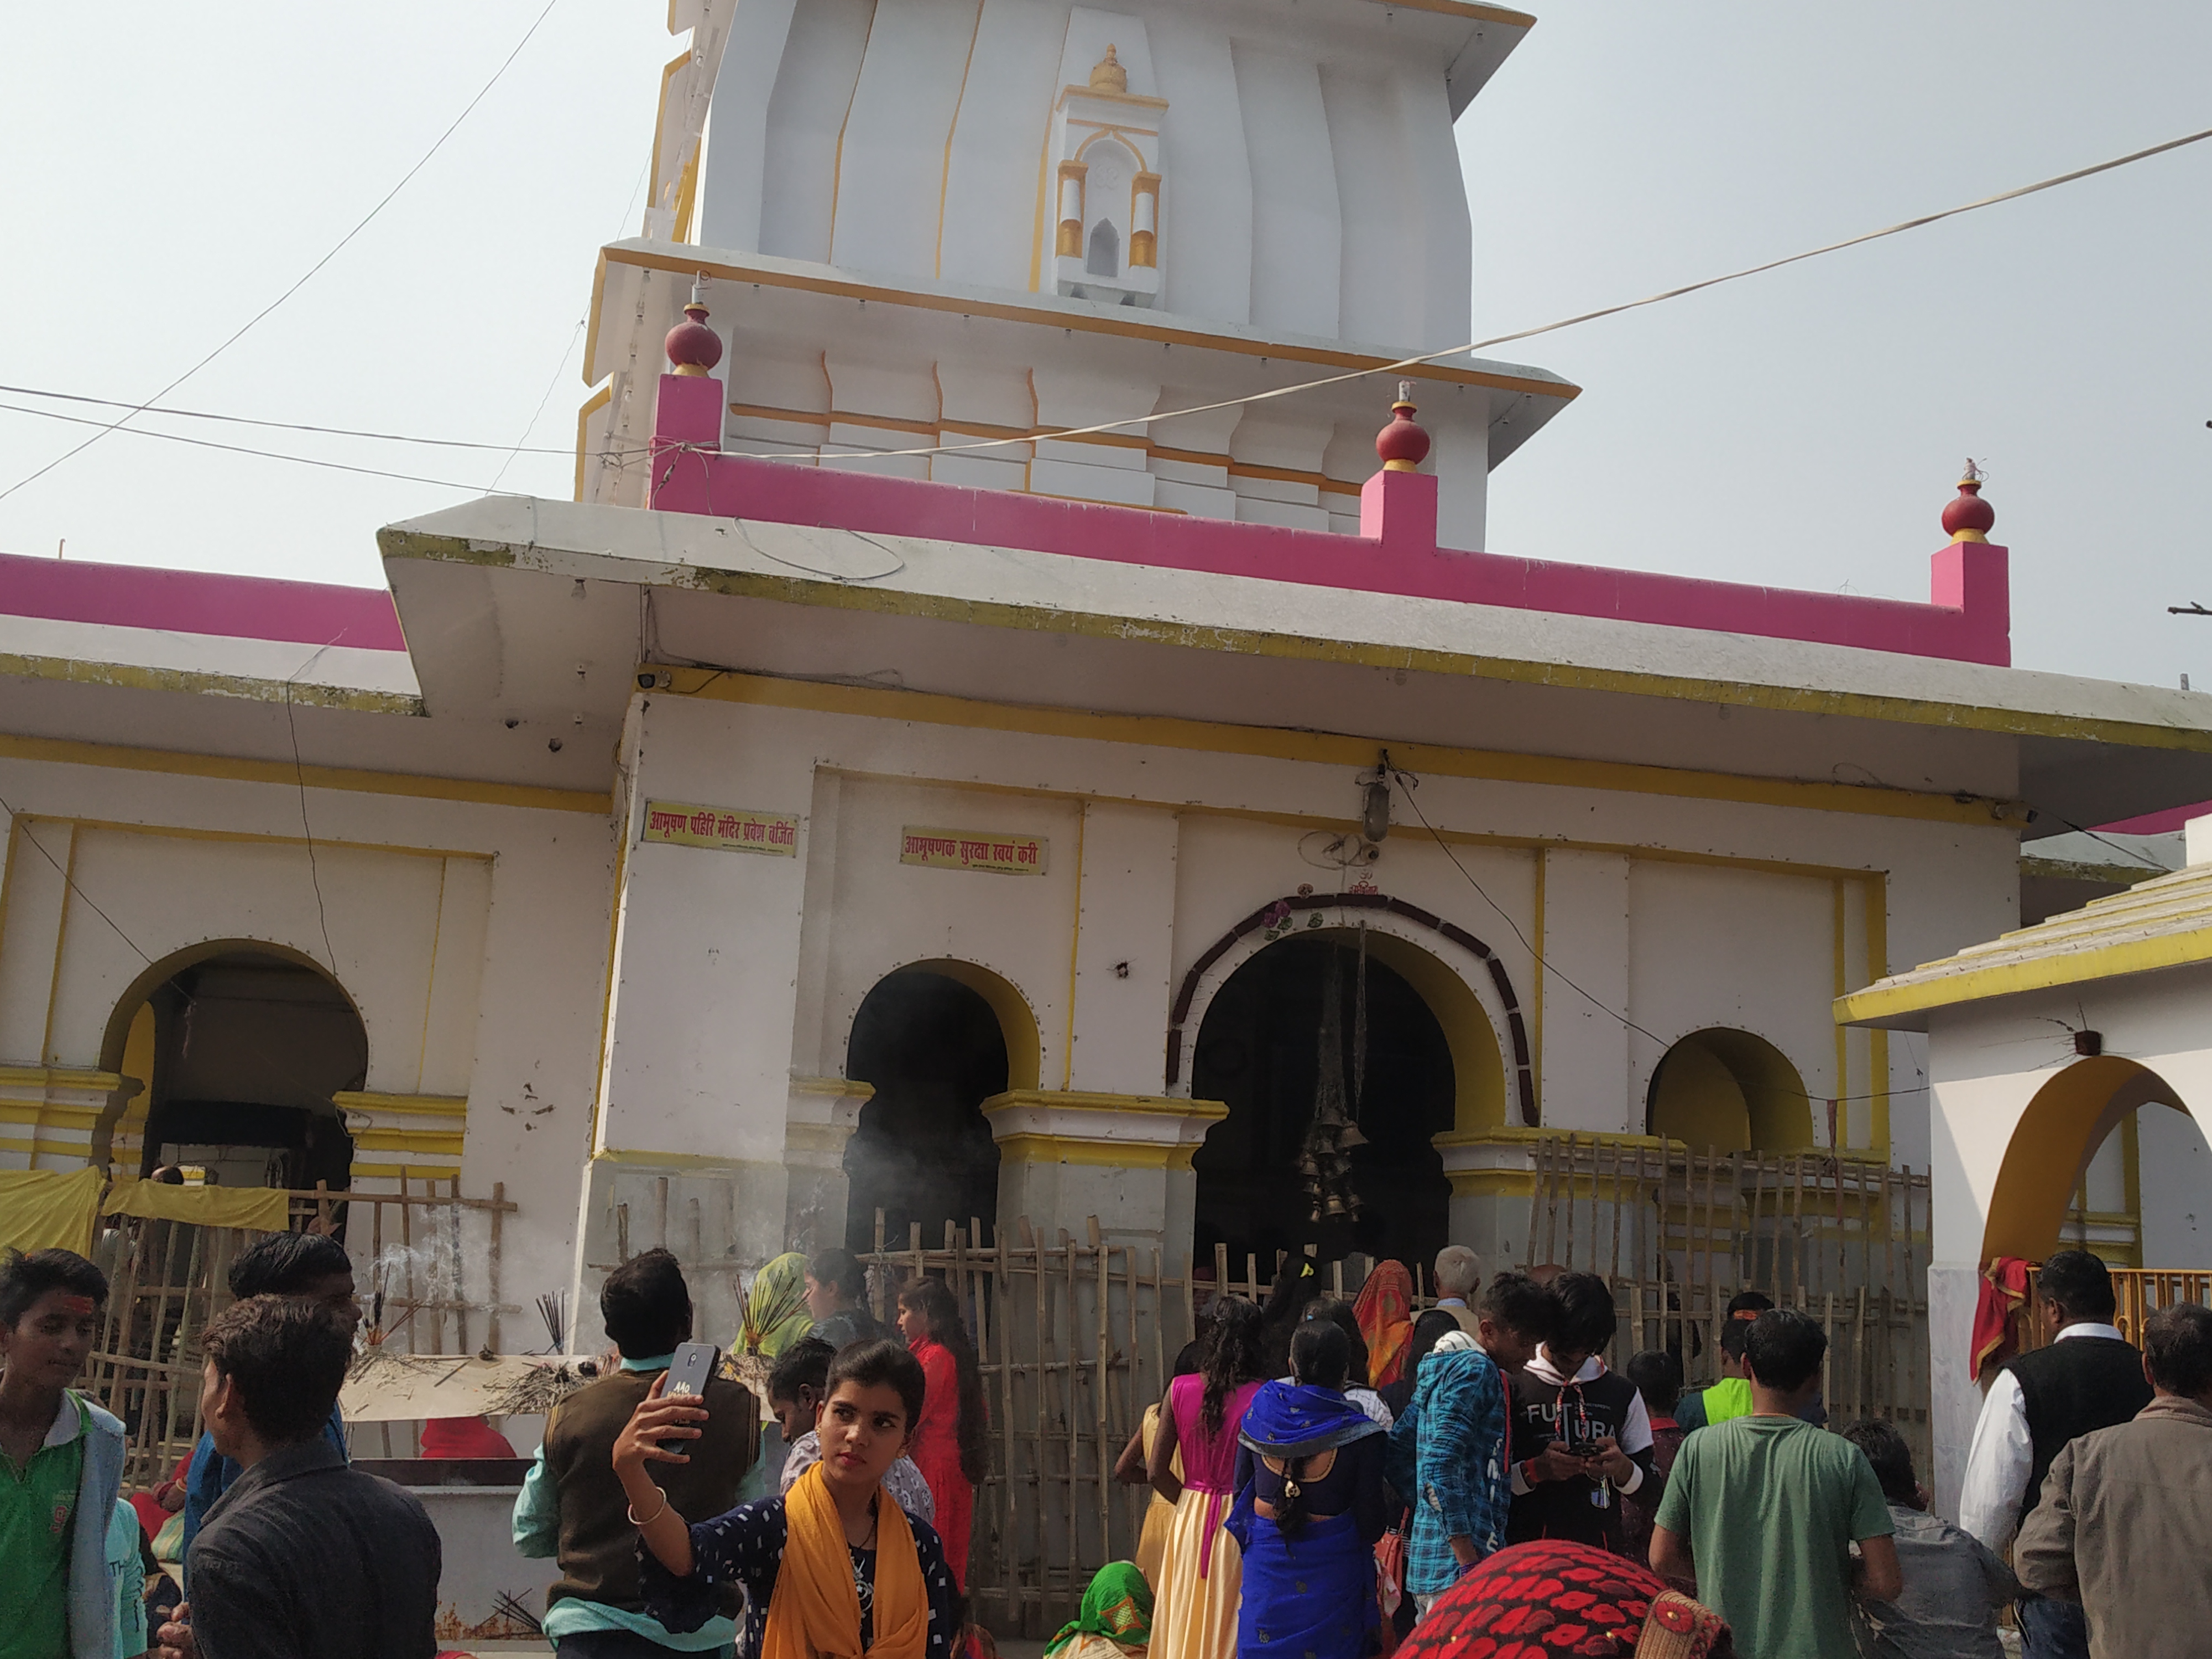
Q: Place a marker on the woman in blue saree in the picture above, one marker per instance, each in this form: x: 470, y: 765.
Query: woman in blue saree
x: 1310, y: 1503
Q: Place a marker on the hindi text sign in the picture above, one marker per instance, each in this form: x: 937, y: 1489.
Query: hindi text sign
x: 726, y: 828
x: 973, y: 849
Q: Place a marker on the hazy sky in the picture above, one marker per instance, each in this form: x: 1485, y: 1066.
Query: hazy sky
x: 172, y: 169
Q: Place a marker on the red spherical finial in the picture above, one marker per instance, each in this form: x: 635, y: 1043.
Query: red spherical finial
x: 1402, y: 444
x: 1968, y: 518
x: 692, y: 346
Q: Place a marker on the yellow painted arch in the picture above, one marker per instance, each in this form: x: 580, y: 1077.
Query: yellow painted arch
x: 2064, y: 1125
x: 1018, y: 1024
x: 1732, y: 1091
x: 1478, y: 1063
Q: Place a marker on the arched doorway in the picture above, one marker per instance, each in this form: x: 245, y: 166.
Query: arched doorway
x: 239, y: 1048
x: 2053, y: 1145
x: 937, y: 1040
x: 1729, y: 1092
x: 1261, y: 1049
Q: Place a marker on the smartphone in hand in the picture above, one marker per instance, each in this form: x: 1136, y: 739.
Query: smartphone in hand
x: 688, y: 1369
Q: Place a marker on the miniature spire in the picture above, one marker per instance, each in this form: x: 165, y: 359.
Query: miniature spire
x: 1968, y: 516
x: 693, y: 347
x: 1107, y: 74
x: 1402, y: 444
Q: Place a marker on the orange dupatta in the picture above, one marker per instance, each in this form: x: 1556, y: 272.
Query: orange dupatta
x: 814, y: 1611
x: 1385, y: 1313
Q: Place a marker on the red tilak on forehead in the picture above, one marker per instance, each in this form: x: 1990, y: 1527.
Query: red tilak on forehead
x: 79, y: 1305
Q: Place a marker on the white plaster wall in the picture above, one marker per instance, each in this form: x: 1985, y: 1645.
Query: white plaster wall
x: 698, y: 1058
x: 885, y: 915
x: 1296, y: 233
x: 1748, y: 951
x: 1585, y: 1083
x: 1125, y: 920
x: 814, y: 84
x: 994, y: 171
x: 734, y: 150
x: 2174, y: 1183
x: 492, y: 990
x: 891, y: 162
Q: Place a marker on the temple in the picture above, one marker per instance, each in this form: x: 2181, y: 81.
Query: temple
x: 1170, y: 818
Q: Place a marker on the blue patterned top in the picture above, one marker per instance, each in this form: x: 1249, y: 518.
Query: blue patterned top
x: 1447, y: 1458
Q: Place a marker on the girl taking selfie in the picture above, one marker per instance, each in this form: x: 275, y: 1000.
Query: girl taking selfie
x: 833, y: 1566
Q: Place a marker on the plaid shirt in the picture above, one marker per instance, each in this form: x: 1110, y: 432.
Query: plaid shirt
x: 1447, y: 1458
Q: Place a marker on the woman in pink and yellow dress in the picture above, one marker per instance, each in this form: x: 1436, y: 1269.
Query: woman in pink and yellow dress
x: 1194, y: 1602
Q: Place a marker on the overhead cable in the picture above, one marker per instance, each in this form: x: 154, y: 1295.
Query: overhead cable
x: 338, y: 248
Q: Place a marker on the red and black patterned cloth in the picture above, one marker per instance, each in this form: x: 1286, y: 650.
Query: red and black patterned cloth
x: 1546, y: 1599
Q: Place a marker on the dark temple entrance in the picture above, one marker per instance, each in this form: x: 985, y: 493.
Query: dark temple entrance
x: 1259, y: 1050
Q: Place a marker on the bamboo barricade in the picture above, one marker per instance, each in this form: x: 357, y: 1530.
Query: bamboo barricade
x: 170, y: 1277
x: 1678, y: 1233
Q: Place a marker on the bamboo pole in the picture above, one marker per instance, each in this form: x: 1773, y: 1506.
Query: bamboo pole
x: 1103, y: 1407
x: 498, y: 1217
x: 1007, y: 1565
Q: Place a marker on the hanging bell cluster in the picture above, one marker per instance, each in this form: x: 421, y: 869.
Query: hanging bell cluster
x: 1324, y: 1162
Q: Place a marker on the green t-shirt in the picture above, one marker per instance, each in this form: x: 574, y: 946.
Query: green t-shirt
x: 38, y: 1503
x: 1771, y: 1507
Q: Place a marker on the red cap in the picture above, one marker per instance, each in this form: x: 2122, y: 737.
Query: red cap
x: 1402, y: 444
x: 692, y: 346
x: 1968, y: 518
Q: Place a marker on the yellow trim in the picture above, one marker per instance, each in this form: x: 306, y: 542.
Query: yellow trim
x: 1017, y: 1021
x: 1085, y: 320
x: 951, y: 127
x: 2141, y: 956
x: 63, y: 1116
x: 412, y: 1171
x: 137, y: 677
x: 60, y: 1077
x: 1843, y: 983
x: 414, y: 1105
x: 1074, y: 950
x: 837, y: 159
x: 430, y: 979
x: 61, y: 939
x: 38, y: 1149
x: 64, y: 751
x: 598, y: 401
x: 426, y: 1141
x: 1876, y: 925
x: 1491, y: 1184
x: 1168, y: 732
x: 687, y: 192
x: 1094, y: 1154
x: 1536, y: 989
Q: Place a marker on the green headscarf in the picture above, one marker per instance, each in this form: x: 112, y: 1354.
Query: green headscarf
x: 1118, y: 1606
x: 776, y: 1312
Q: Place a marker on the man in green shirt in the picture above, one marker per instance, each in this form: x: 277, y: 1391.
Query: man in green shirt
x: 61, y: 1461
x: 1762, y: 1510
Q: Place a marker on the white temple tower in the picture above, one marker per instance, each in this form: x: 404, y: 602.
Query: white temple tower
x: 928, y: 223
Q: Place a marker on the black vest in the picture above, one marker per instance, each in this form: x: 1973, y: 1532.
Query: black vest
x: 2072, y: 1389
x: 1542, y: 1412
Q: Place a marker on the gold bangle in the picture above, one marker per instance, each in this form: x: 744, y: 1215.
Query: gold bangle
x: 630, y: 1510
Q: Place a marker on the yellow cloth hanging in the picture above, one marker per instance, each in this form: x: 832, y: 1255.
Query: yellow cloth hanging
x: 50, y: 1209
x: 266, y: 1208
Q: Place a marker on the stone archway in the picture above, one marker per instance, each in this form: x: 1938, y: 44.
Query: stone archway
x: 935, y: 1039
x: 237, y: 1048
x: 1494, y: 1084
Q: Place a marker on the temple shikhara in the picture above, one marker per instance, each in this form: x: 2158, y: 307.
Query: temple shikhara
x: 1021, y: 743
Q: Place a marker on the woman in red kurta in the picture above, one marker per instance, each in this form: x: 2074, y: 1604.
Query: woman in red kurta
x: 948, y: 1444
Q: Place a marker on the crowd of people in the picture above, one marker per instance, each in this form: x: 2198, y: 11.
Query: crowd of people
x: 1329, y: 1480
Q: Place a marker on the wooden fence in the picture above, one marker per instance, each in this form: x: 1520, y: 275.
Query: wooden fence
x: 168, y: 1278
x: 1075, y: 1338
x: 1679, y: 1233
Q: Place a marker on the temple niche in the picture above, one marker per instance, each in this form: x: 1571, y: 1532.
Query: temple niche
x: 1105, y: 143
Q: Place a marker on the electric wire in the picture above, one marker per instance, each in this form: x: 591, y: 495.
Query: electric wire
x: 1580, y: 318
x: 245, y: 327
x: 283, y: 426
x: 1408, y: 783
